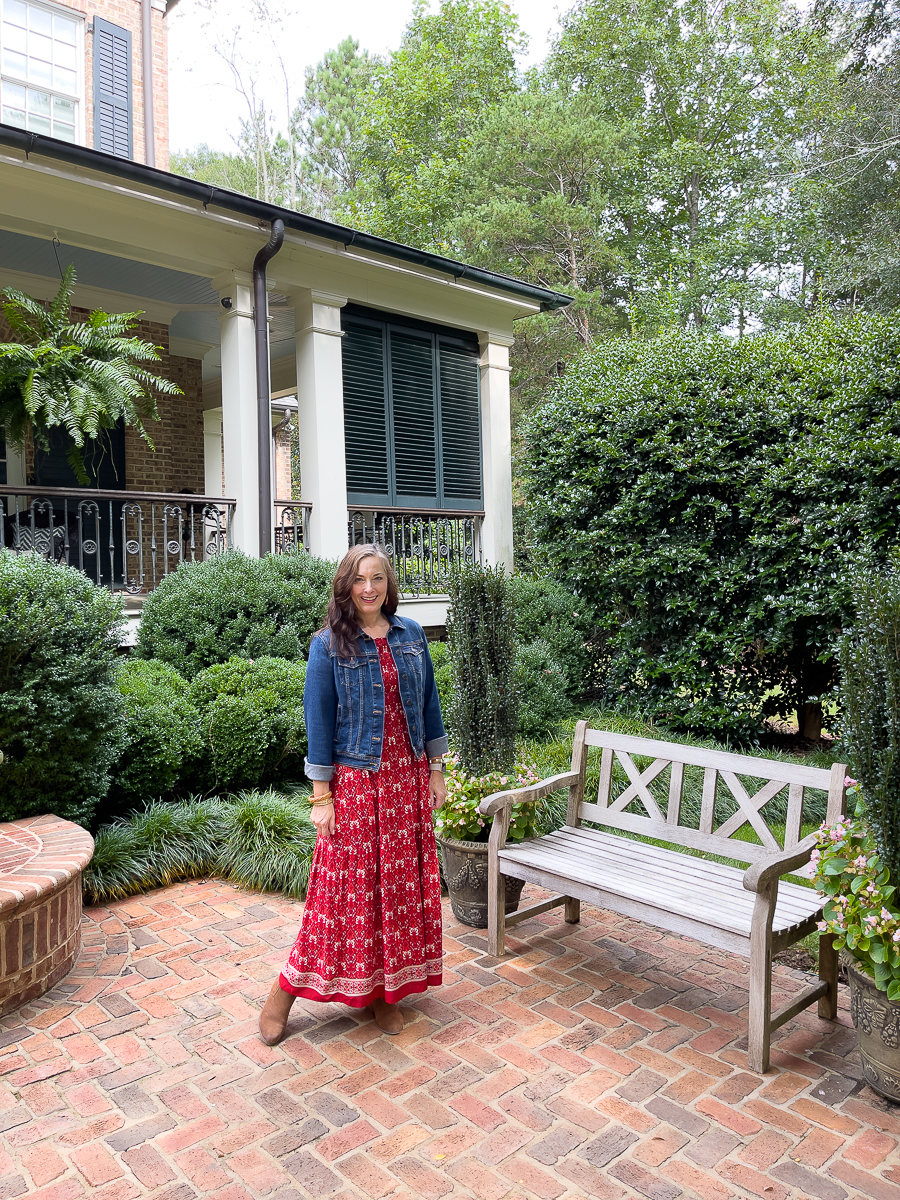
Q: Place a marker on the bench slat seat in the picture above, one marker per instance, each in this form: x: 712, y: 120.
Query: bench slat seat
x: 752, y: 911
x: 588, y: 864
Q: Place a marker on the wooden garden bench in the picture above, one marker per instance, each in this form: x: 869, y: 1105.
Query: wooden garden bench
x: 748, y: 911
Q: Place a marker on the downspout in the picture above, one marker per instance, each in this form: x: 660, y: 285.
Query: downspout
x: 147, y: 62
x: 263, y: 386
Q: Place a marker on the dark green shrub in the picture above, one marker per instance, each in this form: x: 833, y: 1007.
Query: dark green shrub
x: 443, y: 673
x: 481, y: 640
x: 542, y: 686
x: 870, y: 692
x: 268, y: 843
x: 702, y: 496
x: 60, y: 709
x: 232, y: 605
x: 252, y: 725
x: 548, y: 611
x: 162, y: 731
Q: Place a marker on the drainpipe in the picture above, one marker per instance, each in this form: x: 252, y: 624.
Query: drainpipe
x: 147, y: 62
x: 263, y: 386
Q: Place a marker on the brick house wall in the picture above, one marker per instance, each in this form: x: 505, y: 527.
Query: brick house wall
x: 127, y: 15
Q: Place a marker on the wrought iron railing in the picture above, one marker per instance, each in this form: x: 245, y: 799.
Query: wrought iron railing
x: 291, y: 525
x: 126, y: 541
x: 425, y: 547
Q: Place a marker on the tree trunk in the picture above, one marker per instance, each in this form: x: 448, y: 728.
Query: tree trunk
x: 809, y: 721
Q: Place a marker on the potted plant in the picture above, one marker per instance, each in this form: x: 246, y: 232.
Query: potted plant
x: 481, y: 719
x: 858, y: 859
x: 463, y: 836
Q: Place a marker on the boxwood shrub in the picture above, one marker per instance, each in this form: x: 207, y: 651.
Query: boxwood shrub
x: 232, y: 605
x: 60, y: 708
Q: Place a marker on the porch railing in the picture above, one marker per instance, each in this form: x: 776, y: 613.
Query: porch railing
x: 126, y: 541
x: 424, y: 547
x: 291, y: 525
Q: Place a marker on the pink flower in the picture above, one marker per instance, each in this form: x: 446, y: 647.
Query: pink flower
x: 821, y: 926
x: 871, y: 920
x: 896, y: 937
x: 848, y: 782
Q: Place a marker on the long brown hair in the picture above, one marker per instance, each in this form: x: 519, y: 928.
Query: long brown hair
x: 342, y: 621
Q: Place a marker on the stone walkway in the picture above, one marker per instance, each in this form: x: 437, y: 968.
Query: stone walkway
x: 601, y: 1060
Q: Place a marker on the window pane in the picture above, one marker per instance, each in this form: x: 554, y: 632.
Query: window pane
x: 13, y: 116
x: 15, y: 12
x: 40, y: 20
x: 38, y: 102
x: 65, y: 30
x: 38, y: 124
x: 14, y: 38
x: 14, y: 94
x: 16, y: 64
x: 39, y: 72
x: 64, y: 56
x: 66, y: 81
x: 40, y: 47
x: 63, y: 110
x: 65, y: 133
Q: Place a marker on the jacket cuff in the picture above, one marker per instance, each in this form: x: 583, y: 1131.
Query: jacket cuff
x: 437, y: 746
x: 315, y: 772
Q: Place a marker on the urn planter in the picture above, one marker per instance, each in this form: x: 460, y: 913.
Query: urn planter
x: 466, y: 875
x: 877, y: 1022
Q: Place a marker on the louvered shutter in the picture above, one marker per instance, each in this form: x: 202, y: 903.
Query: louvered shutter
x: 112, y: 89
x: 414, y: 413
x: 2, y: 456
x: 460, y: 426
x: 365, y: 415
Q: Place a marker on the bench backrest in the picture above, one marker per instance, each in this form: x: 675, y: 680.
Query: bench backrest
x: 660, y: 816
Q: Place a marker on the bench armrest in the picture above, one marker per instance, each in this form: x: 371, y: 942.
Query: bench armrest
x: 760, y: 874
x: 491, y: 805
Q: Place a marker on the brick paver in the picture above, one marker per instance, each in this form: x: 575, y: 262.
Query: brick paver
x: 605, y: 1059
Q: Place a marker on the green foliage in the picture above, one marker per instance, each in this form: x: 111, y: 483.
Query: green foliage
x: 860, y: 901
x: 548, y: 611
x: 60, y: 709
x: 542, y: 687
x: 268, y: 843
x: 443, y: 673
x: 481, y: 641
x: 459, y: 818
x: 258, y: 840
x: 208, y: 612
x: 251, y: 720
x: 84, y: 375
x: 701, y: 495
x: 162, y: 731
x: 870, y: 695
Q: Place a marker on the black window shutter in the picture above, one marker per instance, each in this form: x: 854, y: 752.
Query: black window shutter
x: 365, y: 415
x: 3, y: 478
x: 460, y: 424
x: 112, y: 89
x: 414, y: 417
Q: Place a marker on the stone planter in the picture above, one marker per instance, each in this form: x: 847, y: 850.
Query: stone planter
x: 877, y: 1022
x: 466, y: 875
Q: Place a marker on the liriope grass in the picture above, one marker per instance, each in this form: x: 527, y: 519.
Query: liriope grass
x: 260, y: 840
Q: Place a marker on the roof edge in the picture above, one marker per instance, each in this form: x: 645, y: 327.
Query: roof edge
x: 207, y: 193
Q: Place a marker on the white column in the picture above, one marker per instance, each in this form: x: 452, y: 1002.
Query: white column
x: 212, y: 452
x: 320, y: 416
x: 496, y: 450
x: 239, y: 426
x: 15, y: 464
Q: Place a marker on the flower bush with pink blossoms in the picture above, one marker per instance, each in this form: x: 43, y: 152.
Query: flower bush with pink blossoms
x: 860, y: 904
x: 459, y: 817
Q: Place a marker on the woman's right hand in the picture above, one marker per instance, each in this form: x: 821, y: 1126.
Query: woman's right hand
x: 322, y: 816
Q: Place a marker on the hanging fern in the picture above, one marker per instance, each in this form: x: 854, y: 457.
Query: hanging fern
x: 82, y: 376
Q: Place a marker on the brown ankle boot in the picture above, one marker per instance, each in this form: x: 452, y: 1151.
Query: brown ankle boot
x: 388, y: 1017
x: 274, y: 1016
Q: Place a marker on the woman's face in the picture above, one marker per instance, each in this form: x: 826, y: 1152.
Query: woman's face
x: 369, y: 587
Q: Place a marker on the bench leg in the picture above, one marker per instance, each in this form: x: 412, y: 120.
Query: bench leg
x: 760, y: 1015
x: 497, y: 918
x: 828, y: 972
x: 573, y: 911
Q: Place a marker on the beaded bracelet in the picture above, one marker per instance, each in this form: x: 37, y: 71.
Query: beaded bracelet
x: 316, y: 801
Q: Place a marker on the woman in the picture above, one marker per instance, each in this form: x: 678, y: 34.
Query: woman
x: 371, y: 931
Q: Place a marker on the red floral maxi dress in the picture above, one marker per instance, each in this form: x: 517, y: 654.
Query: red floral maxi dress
x: 372, y: 922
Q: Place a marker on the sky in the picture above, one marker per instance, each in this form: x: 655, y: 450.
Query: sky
x: 204, y: 103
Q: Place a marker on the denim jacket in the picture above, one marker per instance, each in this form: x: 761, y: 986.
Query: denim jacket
x: 343, y: 700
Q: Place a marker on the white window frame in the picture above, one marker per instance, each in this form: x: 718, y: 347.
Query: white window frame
x: 80, y: 100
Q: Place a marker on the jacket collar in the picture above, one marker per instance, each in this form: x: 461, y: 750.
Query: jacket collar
x: 393, y: 621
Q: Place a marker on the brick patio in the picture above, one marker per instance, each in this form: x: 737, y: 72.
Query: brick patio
x: 601, y: 1060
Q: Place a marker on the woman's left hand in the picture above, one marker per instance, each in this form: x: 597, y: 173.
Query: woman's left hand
x: 437, y: 788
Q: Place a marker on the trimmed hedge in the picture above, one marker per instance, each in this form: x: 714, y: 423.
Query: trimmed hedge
x: 704, y: 497
x: 60, y: 708
x: 235, y: 606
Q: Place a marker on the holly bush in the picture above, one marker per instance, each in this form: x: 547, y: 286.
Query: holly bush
x: 704, y: 496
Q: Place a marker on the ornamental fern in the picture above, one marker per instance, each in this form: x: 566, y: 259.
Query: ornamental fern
x: 83, y: 376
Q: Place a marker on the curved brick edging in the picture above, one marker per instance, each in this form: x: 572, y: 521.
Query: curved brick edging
x: 41, y: 860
